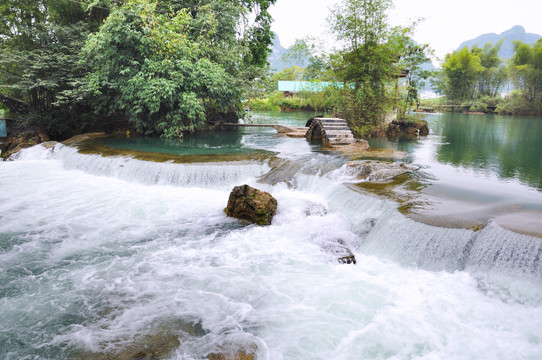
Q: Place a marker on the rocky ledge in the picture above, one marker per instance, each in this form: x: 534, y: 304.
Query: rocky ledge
x: 23, y: 140
x: 378, y: 170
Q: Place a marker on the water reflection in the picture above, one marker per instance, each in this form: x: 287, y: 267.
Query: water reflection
x: 223, y: 142
x: 508, y: 147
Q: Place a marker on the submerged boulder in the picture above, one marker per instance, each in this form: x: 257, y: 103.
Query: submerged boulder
x: 338, y: 249
x: 241, y: 355
x: 378, y: 170
x: 248, y: 203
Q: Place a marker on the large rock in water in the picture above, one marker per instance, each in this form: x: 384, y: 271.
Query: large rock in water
x: 248, y: 203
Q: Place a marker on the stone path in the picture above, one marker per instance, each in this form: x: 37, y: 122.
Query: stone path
x: 331, y: 131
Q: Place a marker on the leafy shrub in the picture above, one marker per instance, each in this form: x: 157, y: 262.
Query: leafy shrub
x: 486, y: 104
x: 514, y: 104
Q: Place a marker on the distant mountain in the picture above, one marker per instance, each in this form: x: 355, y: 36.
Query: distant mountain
x: 278, y: 51
x: 507, y: 49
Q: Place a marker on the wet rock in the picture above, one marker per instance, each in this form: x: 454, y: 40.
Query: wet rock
x: 23, y: 140
x: 309, y: 122
x: 315, y: 210
x: 339, y: 249
x: 159, y: 343
x: 282, y: 170
x: 378, y: 171
x: 146, y: 347
x: 408, y: 128
x: 241, y: 355
x: 248, y: 203
x: 356, y: 147
x: 350, y: 259
x: 234, y: 351
x: 83, y: 137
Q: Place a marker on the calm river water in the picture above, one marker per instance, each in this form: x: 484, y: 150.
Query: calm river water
x: 106, y: 257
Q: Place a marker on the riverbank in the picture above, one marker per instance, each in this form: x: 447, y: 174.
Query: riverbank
x: 512, y: 104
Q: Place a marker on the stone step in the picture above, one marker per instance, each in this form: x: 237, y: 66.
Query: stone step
x: 328, y: 123
x: 331, y: 121
x: 337, y: 127
x: 337, y: 141
x: 334, y: 127
x: 341, y: 137
x: 338, y: 132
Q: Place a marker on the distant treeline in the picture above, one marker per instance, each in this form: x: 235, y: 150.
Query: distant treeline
x: 477, y: 76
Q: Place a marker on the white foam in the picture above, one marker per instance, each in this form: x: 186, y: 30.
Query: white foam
x: 95, y: 257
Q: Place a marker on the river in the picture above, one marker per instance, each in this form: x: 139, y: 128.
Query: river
x: 106, y: 257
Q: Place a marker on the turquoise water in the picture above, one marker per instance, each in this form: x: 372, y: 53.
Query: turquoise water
x: 224, y: 142
x: 507, y: 147
x: 479, y: 168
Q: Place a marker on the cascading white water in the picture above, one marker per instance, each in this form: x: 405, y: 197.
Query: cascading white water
x: 126, y: 168
x: 102, y: 255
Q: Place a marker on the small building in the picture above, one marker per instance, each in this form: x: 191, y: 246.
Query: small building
x: 428, y: 95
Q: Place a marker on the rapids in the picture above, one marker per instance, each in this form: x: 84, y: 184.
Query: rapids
x: 114, y: 257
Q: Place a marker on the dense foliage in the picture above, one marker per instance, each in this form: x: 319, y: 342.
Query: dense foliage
x: 373, y: 57
x: 39, y: 59
x: 375, y: 72
x: 526, y: 71
x: 472, y: 73
x: 167, y: 66
x: 477, y: 76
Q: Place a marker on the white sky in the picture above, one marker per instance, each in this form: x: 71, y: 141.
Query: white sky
x: 447, y: 23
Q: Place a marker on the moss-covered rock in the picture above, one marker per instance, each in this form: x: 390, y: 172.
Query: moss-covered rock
x: 248, y: 203
x: 408, y: 127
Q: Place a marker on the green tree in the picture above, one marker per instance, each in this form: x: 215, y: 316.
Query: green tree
x: 142, y: 63
x: 168, y: 65
x: 292, y: 73
x: 369, y: 61
x: 461, y: 70
x: 471, y: 74
x: 493, y: 75
x: 39, y: 60
x: 411, y: 64
x: 526, y: 70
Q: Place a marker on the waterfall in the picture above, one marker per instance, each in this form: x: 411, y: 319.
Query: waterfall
x: 114, y: 257
x: 213, y: 175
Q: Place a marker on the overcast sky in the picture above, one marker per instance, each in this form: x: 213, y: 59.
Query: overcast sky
x: 447, y: 22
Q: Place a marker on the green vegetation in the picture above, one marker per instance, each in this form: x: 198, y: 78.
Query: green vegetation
x: 369, y: 65
x: 169, y: 67
x: 323, y: 102
x: 474, y: 78
x: 165, y: 66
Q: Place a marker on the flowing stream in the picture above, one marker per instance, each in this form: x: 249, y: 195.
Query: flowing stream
x: 115, y: 257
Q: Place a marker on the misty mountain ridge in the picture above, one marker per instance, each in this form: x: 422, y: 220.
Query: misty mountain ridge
x: 276, y: 63
x: 507, y: 48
